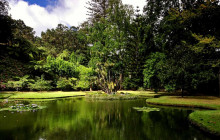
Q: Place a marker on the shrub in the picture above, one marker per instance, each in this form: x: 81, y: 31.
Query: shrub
x: 170, y: 87
x: 21, y: 83
x: 141, y: 89
x: 66, y: 84
x: 40, y: 84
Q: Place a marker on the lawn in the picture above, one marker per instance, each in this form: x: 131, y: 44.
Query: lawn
x: 142, y: 93
x: 3, y: 96
x: 61, y: 94
x: 122, y: 95
x: 208, y: 121
x: 205, y: 102
x: 44, y: 95
x: 117, y: 96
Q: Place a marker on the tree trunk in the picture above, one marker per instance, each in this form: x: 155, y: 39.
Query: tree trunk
x: 120, y: 82
x: 219, y: 82
x: 182, y: 91
x: 183, y: 88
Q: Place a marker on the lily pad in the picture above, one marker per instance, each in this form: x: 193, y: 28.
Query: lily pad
x: 22, y: 107
x: 146, y: 109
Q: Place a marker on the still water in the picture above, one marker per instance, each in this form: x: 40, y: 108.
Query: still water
x: 83, y: 119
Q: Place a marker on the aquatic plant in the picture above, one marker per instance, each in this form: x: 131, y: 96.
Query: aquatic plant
x: 22, y: 107
x: 146, y: 109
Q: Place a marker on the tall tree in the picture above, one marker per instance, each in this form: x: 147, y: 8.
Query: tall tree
x: 61, y: 38
x: 5, y: 23
x: 97, y: 9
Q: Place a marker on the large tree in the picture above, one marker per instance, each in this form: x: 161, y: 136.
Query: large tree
x: 97, y: 9
x: 181, y: 38
x: 5, y: 23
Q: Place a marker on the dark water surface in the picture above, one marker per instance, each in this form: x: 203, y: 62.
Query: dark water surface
x: 83, y: 119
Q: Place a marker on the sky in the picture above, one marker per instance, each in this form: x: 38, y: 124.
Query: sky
x: 46, y: 14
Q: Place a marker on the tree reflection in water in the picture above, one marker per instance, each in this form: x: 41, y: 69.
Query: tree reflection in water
x: 79, y: 118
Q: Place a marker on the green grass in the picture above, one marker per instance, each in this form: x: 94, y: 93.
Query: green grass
x: 122, y: 95
x: 44, y: 95
x: 104, y: 96
x: 91, y: 94
x: 207, y: 120
x: 142, y: 93
x: 206, y: 102
x: 3, y: 96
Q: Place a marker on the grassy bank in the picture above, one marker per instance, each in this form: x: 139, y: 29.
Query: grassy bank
x: 147, y: 94
x: 122, y: 95
x: 3, y: 96
x: 205, y: 102
x: 118, y: 96
x: 43, y: 95
x: 208, y: 121
x: 91, y: 94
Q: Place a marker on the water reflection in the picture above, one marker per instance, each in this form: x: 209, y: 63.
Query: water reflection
x: 80, y: 119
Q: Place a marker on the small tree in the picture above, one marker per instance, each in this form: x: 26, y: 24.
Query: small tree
x: 40, y: 84
x: 87, y: 77
x: 66, y: 84
x: 22, y: 82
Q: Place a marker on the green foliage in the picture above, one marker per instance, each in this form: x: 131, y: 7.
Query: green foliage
x: 61, y: 66
x: 130, y: 82
x: 141, y: 89
x: 21, y: 83
x: 66, y: 84
x: 60, y: 39
x: 153, y: 67
x: 172, y: 45
x: 87, y: 77
x: 170, y: 87
x: 40, y: 84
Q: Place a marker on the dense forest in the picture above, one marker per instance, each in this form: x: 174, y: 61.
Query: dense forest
x: 172, y: 46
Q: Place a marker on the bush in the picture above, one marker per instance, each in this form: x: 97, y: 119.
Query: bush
x: 21, y: 83
x: 40, y: 84
x: 66, y: 84
x: 170, y: 87
x: 141, y: 89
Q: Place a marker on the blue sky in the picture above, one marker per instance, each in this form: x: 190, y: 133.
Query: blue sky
x: 42, y: 3
x: 46, y: 14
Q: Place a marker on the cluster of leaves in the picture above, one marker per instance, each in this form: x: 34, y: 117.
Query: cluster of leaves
x: 66, y: 84
x: 170, y: 46
x: 40, y: 84
x: 21, y: 83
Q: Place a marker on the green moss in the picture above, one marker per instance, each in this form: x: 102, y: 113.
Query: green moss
x: 207, y: 120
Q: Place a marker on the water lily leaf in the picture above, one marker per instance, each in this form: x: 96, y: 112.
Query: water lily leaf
x: 146, y: 109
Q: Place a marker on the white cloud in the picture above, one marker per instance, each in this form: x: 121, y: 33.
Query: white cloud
x: 68, y: 12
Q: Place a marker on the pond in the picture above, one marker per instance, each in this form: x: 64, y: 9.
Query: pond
x: 84, y: 119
